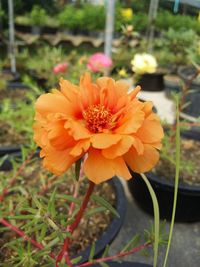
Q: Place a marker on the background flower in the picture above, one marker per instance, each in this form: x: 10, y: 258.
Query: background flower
x: 60, y: 68
x: 101, y: 120
x: 99, y: 62
x: 144, y: 63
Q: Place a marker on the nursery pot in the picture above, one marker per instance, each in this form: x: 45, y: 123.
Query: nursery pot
x: 124, y: 264
x: 172, y: 84
x: 151, y: 82
x: 112, y: 229
x: 187, y: 209
x: 193, y: 97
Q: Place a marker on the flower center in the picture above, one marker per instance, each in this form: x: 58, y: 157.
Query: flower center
x: 97, y: 118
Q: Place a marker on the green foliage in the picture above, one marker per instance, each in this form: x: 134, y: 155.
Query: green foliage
x: 166, y: 19
x: 88, y: 17
x: 173, y: 47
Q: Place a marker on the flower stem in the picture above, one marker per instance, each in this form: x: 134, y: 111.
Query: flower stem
x: 119, y: 255
x: 71, y: 228
x: 23, y: 235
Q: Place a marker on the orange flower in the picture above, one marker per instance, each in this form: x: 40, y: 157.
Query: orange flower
x: 101, y: 120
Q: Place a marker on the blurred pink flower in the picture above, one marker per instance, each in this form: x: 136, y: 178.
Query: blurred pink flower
x: 98, y: 62
x: 61, y: 67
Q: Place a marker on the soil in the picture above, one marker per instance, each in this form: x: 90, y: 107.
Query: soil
x: 8, y: 136
x: 36, y: 181
x: 190, y: 167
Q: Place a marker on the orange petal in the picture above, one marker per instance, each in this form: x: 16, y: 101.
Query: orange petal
x: 151, y: 131
x: 76, y: 129
x: 80, y: 148
x: 99, y: 169
x: 120, y: 148
x: 142, y: 163
x: 104, y: 140
x: 58, y: 161
x: 121, y: 87
x: 131, y: 122
x: 133, y: 94
x: 51, y: 103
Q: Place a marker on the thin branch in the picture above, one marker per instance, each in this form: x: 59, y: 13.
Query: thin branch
x: 119, y: 255
x: 24, y: 235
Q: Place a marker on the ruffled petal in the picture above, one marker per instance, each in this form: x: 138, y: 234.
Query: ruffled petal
x: 120, y: 148
x: 52, y: 103
x: 99, y: 169
x: 142, y: 163
x: 104, y: 140
x: 58, y: 161
x: 76, y: 129
x: 130, y: 123
x: 80, y: 148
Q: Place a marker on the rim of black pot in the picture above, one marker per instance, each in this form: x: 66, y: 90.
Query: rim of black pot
x: 124, y: 264
x: 4, y: 150
x: 111, y: 232
x: 169, y: 185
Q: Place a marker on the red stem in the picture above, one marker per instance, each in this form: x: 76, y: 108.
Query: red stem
x: 72, y: 227
x: 24, y: 236
x: 122, y: 254
x: 13, y: 179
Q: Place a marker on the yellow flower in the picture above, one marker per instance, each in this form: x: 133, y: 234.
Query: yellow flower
x: 198, y: 18
x: 122, y: 72
x: 144, y: 63
x: 127, y: 13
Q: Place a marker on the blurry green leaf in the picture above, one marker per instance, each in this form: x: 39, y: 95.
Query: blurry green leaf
x: 132, y: 243
x: 105, y: 204
x: 92, y: 252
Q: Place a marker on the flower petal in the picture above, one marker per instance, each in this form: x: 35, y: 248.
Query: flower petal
x: 99, y: 169
x: 131, y: 122
x: 51, y: 103
x: 118, y: 149
x: 104, y: 140
x: 151, y: 130
x: 80, y: 148
x: 76, y: 129
x: 144, y: 162
x: 58, y: 161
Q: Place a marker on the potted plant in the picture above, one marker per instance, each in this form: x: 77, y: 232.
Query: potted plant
x: 162, y: 180
x: 81, y: 126
x: 146, y: 74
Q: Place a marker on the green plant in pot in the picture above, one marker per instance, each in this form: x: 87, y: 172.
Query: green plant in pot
x: 78, y: 126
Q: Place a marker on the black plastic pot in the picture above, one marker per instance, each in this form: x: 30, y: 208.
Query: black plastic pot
x: 187, y: 209
x: 172, y: 84
x: 193, y: 97
x: 113, y: 229
x: 151, y: 82
x: 124, y: 264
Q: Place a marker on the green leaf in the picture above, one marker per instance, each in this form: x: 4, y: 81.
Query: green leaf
x: 52, y: 243
x: 106, y: 251
x: 132, y: 243
x: 51, y: 205
x: 76, y: 260
x: 92, y: 252
x: 89, y: 213
x: 105, y: 204
x: 69, y: 198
